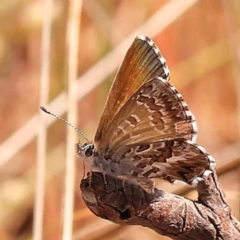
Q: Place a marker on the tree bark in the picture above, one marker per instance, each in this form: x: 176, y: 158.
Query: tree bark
x: 209, y: 218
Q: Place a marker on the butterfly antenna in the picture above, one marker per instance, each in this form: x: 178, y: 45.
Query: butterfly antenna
x: 46, y: 111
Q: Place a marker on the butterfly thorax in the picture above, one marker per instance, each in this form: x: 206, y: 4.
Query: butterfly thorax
x: 100, y: 161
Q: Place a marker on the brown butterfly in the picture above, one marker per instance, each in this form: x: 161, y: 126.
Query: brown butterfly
x: 146, y: 130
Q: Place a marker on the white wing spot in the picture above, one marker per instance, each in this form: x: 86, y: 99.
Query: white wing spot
x: 162, y: 60
x: 167, y: 71
x: 150, y: 42
x: 142, y: 37
x: 194, y: 126
x: 190, y: 115
x: 179, y: 95
x: 122, y: 129
x: 136, y: 117
x: 184, y: 104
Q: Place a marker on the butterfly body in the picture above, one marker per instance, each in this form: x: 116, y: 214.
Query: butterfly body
x: 146, y: 130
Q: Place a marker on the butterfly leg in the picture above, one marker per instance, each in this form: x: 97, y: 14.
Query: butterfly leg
x: 90, y: 177
x: 105, y: 180
x: 123, y: 182
x: 104, y: 176
x: 83, y: 170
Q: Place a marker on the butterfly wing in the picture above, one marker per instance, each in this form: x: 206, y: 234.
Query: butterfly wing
x: 171, y: 160
x: 155, y: 112
x: 147, y: 130
x: 142, y: 62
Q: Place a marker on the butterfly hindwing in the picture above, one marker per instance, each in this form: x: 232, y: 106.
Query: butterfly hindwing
x: 142, y: 62
x: 172, y: 160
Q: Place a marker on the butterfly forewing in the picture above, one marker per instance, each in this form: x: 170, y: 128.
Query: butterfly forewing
x: 155, y: 112
x: 142, y: 62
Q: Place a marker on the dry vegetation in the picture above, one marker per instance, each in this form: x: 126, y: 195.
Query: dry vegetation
x: 201, y: 45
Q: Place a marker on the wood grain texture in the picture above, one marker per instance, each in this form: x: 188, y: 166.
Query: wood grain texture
x: 175, y: 216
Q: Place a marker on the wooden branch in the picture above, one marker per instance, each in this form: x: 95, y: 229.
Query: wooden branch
x: 166, y: 213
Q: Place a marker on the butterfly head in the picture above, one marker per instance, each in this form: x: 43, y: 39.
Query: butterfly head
x: 86, y: 150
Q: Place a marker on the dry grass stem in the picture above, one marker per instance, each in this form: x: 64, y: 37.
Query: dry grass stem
x: 72, y: 58
x: 42, y: 128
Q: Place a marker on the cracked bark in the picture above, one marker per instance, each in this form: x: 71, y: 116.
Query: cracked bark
x: 174, y: 216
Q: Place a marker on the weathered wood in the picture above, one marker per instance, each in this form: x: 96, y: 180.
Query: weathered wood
x: 168, y: 214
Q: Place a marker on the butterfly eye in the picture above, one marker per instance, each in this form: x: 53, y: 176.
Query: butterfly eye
x: 89, y: 150
x: 85, y: 150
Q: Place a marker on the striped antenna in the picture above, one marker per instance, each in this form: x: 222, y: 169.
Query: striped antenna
x: 81, y: 133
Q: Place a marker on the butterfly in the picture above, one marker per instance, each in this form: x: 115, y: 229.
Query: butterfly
x: 146, y: 130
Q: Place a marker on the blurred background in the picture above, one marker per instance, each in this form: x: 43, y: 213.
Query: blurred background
x: 200, y: 41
